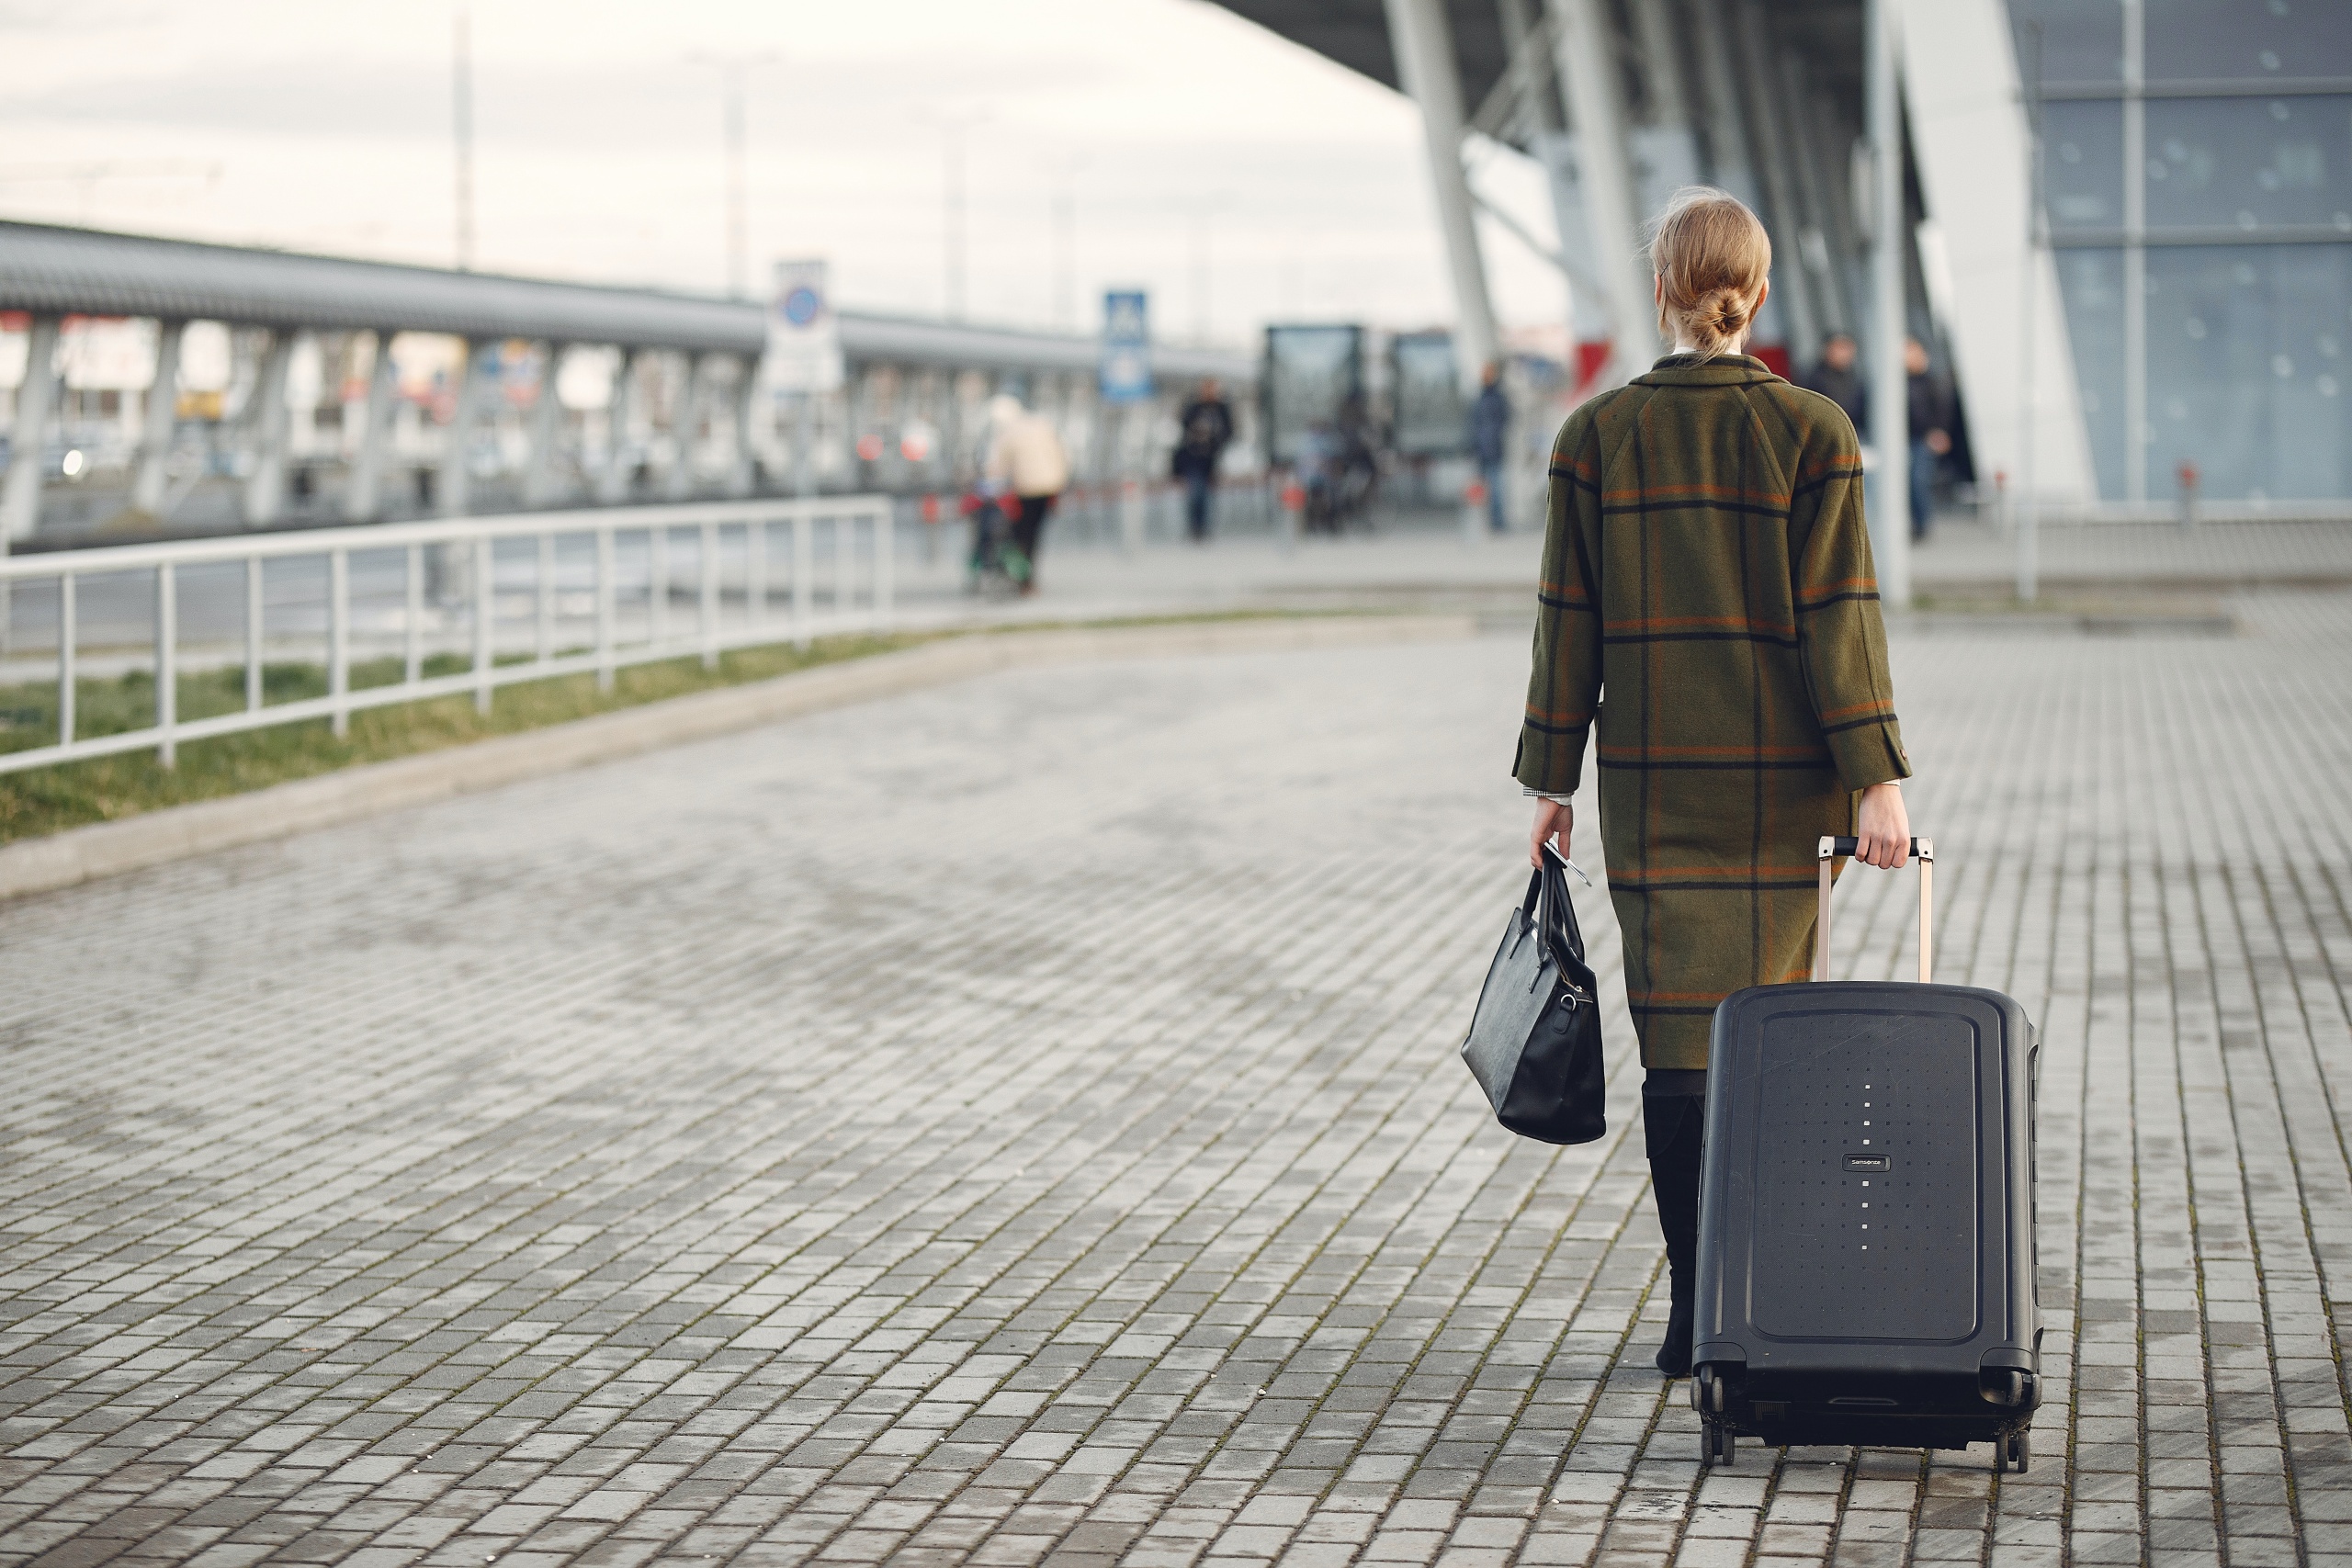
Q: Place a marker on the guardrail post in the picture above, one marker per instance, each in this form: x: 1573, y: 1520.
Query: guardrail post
x: 254, y: 607
x: 167, y: 664
x: 412, y: 628
x: 657, y: 585
x: 547, y: 596
x: 604, y: 592
x: 885, y: 533
x: 804, y: 567
x: 485, y: 611
x: 339, y: 641
x: 65, y: 638
x: 707, y: 547
x: 756, y: 571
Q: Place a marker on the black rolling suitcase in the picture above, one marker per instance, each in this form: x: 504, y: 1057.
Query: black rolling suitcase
x: 1866, y: 1240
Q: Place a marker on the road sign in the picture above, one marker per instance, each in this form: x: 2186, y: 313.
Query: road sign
x: 1127, y: 346
x: 804, y: 336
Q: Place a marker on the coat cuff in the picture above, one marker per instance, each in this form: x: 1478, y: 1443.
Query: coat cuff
x: 1869, y: 754
x: 1551, y: 761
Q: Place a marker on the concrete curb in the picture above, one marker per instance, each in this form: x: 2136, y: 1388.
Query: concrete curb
x: 108, y: 849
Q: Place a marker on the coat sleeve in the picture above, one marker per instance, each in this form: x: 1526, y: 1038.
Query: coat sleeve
x: 1564, y: 690
x: 1840, y: 632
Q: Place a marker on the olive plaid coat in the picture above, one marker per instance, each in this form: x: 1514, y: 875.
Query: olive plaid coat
x: 1708, y: 601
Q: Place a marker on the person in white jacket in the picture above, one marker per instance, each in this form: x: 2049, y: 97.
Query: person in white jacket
x: 1026, y: 460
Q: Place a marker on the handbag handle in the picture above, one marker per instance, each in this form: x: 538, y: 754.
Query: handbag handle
x: 1556, y: 928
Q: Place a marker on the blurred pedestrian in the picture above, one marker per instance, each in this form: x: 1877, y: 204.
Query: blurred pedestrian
x: 1207, y: 426
x: 1835, y: 377
x: 1025, y: 458
x: 1931, y: 420
x: 1320, y: 460
x: 1490, y: 436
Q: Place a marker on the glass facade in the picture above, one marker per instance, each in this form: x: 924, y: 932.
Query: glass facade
x: 2091, y: 282
x: 2247, y: 368
x: 2082, y: 177
x: 2236, y: 40
x: 2198, y: 179
x: 2250, y: 164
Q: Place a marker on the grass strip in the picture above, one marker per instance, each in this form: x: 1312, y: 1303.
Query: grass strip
x: 103, y: 789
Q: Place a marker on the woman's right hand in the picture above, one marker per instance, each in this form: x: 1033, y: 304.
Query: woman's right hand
x: 1550, y: 817
x: 1883, y: 827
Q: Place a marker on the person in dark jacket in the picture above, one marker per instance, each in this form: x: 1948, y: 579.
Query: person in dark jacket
x: 1206, y: 428
x: 1490, y: 430
x: 1836, y: 377
x: 1930, y: 418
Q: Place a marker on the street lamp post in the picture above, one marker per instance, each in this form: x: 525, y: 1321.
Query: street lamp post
x: 461, y: 97
x: 732, y: 71
x: 952, y: 126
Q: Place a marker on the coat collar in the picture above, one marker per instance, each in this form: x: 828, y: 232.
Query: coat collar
x: 1690, y: 370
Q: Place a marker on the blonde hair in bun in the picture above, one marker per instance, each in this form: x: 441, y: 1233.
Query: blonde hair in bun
x: 1710, y: 256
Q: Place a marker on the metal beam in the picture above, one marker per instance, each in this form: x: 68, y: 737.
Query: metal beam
x: 1424, y: 48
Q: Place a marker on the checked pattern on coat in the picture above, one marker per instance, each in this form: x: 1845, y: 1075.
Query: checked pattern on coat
x: 1709, y: 605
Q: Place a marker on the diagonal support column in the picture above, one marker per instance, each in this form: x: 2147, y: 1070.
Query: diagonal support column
x: 1889, y: 503
x: 162, y: 418
x: 1792, y: 281
x: 739, y: 472
x: 1588, y: 62
x: 1423, y: 44
x: 685, y: 424
x: 266, y: 424
x: 363, y: 497
x: 620, y: 412
x: 36, y: 402
x: 1731, y: 156
x: 547, y: 429
x: 457, y: 468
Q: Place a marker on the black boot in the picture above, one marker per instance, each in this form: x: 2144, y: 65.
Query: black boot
x: 1674, y: 1108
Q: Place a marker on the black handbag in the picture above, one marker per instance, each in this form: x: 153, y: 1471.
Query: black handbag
x: 1534, y: 1044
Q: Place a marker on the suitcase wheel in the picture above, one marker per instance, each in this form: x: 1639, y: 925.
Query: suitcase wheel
x: 1707, y: 1391
x: 1715, y: 1444
x: 2016, y: 1452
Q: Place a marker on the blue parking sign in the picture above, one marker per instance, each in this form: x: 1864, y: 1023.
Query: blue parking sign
x: 1127, y: 346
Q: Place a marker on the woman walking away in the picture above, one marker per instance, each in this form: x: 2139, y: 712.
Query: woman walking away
x: 1707, y: 600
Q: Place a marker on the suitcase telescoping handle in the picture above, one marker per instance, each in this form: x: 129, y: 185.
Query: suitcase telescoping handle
x: 1923, y: 851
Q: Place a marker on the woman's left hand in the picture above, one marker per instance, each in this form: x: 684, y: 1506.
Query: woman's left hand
x: 1883, y: 827
x: 1550, y: 817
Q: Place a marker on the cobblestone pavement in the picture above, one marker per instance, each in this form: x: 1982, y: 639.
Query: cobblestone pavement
x: 1020, y: 1121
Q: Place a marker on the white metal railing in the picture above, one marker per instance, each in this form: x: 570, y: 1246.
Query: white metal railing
x: 756, y: 572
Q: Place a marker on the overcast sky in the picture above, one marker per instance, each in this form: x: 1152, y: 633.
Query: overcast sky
x: 599, y: 147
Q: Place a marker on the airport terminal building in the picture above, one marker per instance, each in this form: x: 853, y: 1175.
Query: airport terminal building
x: 2128, y: 225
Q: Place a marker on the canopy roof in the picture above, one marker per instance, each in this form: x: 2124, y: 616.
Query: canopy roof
x: 94, y: 273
